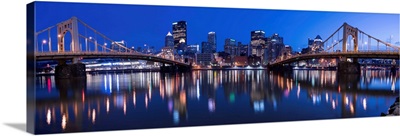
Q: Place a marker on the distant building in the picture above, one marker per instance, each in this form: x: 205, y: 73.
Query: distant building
x: 240, y: 61
x: 167, y: 53
x: 230, y: 46
x: 206, y: 47
x: 152, y: 50
x: 192, y: 50
x: 204, y: 58
x: 257, y: 42
x: 286, y: 52
x: 179, y: 33
x: 243, y: 49
x: 310, y: 42
x: 254, y: 61
x: 212, y: 40
x: 305, y: 50
x: 274, y: 47
x: 139, y: 49
x: 195, y: 48
x: 181, y: 48
x: 147, y: 49
x: 169, y: 40
x: 222, y: 59
x: 227, y: 61
x: 316, y: 45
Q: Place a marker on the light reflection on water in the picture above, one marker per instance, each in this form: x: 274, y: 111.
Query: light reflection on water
x: 151, y: 99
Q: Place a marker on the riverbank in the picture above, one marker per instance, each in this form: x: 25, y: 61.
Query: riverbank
x: 394, y: 109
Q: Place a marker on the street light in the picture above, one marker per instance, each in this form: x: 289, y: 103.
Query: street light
x: 95, y: 43
x: 365, y: 43
x: 104, y: 48
x: 43, y: 42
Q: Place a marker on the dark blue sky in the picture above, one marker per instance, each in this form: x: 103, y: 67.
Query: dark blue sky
x: 140, y: 24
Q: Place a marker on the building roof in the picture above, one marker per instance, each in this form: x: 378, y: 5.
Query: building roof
x: 318, y: 37
x: 169, y: 34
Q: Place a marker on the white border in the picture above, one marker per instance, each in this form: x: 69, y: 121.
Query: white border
x: 13, y: 72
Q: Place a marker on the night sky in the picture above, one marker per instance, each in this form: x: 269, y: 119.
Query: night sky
x: 140, y: 24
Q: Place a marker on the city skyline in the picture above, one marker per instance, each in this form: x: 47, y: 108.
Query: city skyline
x: 296, y: 27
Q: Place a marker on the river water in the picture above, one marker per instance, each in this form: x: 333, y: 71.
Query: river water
x: 116, y: 101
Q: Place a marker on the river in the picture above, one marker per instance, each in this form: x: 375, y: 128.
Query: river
x: 117, y: 101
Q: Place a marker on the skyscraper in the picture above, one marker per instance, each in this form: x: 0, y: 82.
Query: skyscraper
x: 257, y: 42
x: 317, y: 45
x: 274, y: 46
x: 314, y: 45
x: 193, y: 49
x: 230, y: 46
x: 169, y: 40
x: 179, y: 34
x: 243, y: 49
x: 212, y: 40
x: 206, y: 48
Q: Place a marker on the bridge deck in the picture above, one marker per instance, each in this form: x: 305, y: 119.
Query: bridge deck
x: 125, y: 55
x: 371, y: 54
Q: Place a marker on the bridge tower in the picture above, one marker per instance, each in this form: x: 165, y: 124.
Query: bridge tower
x: 70, y: 25
x: 345, y: 67
x: 347, y: 31
x: 76, y: 69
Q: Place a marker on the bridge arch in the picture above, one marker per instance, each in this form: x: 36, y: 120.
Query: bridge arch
x: 71, y: 26
x: 349, y: 31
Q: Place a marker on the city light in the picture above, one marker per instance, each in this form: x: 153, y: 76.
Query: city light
x: 63, y: 122
x: 48, y: 117
x: 93, y: 116
x: 333, y: 104
x: 364, y: 102
x: 107, y: 105
x: 124, y: 107
x: 134, y: 98
x: 211, y: 105
x: 43, y: 42
x: 326, y: 97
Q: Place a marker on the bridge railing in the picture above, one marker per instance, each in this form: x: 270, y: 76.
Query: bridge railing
x: 43, y: 54
x: 363, y: 51
x: 343, y: 53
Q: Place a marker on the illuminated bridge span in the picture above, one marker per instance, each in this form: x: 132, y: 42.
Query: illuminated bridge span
x: 76, y: 41
x: 360, y: 54
x: 88, y: 55
x: 347, y: 42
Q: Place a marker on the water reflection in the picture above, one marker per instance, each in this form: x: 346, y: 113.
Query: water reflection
x: 152, y: 99
x: 48, y: 117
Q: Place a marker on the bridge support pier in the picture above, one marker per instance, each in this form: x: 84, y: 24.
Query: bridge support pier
x: 280, y: 68
x: 75, y: 70
x: 174, y: 68
x: 345, y: 67
x: 168, y: 69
